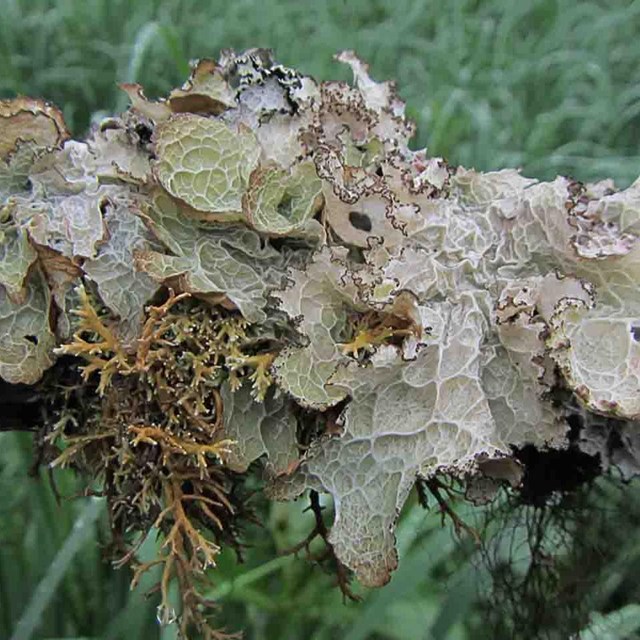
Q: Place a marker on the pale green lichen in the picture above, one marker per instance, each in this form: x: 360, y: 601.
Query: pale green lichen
x: 204, y: 162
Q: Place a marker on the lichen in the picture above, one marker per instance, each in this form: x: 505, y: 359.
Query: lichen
x: 259, y: 267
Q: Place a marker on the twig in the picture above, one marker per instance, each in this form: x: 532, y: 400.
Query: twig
x: 435, y: 486
x: 320, y: 530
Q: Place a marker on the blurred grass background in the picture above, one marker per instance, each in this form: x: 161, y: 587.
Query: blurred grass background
x: 549, y: 85
x: 552, y: 86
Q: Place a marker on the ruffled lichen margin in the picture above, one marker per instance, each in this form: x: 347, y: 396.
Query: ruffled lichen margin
x: 258, y: 267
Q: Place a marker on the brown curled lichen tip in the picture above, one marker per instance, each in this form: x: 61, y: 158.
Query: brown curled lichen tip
x: 24, y: 120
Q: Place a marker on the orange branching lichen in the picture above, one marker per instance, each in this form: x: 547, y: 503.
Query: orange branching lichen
x: 102, y: 349
x: 374, y: 329
x: 186, y: 553
x: 261, y: 375
x: 154, y: 442
x: 154, y: 327
x: 171, y: 444
x: 366, y: 340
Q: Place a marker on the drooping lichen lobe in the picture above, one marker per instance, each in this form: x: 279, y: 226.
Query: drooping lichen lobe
x: 259, y: 266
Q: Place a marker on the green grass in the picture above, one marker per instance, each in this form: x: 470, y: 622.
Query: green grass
x: 552, y: 86
x: 549, y: 85
x: 53, y: 578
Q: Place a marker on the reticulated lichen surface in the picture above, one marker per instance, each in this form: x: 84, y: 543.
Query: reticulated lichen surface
x: 259, y: 252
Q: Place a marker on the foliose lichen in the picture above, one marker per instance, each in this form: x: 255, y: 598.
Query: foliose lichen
x: 260, y: 267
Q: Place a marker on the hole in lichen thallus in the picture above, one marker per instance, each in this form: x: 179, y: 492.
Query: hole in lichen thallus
x: 360, y: 221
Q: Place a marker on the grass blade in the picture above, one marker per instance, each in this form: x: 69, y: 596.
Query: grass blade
x: 83, y: 528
